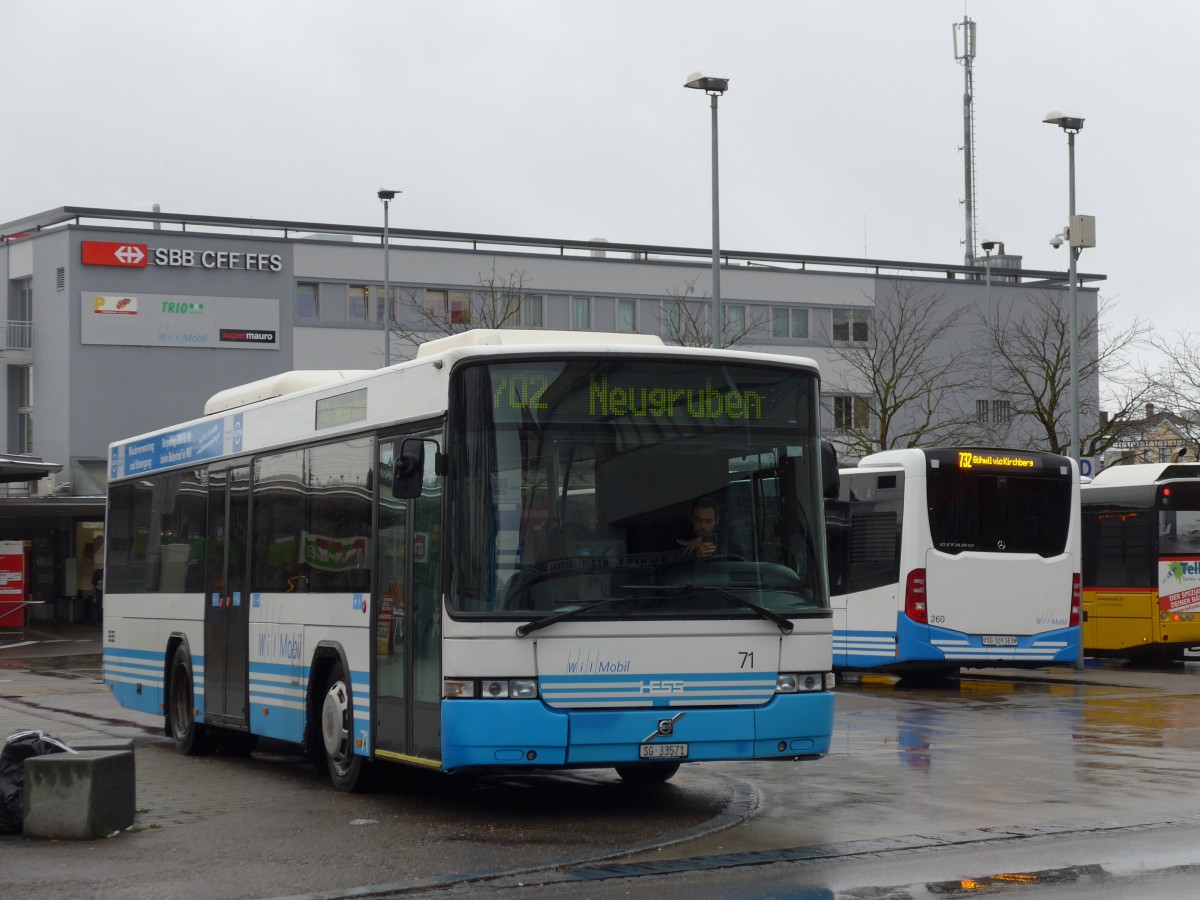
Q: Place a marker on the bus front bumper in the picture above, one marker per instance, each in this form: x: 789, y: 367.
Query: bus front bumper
x: 506, y: 733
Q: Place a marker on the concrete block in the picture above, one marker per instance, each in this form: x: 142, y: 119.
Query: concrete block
x: 79, y: 795
x: 102, y: 743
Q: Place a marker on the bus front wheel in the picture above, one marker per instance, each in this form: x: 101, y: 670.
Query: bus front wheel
x: 648, y: 773
x: 191, y: 737
x: 347, y: 770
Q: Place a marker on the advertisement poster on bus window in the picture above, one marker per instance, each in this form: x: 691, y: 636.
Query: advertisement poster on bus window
x: 1179, y: 585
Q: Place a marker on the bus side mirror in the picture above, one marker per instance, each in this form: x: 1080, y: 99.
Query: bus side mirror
x: 831, y: 481
x: 408, y: 469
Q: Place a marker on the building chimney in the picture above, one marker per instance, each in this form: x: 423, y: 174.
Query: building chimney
x: 1149, y: 410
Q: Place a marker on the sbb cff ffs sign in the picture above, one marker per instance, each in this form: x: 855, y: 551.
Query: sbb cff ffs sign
x: 110, y: 253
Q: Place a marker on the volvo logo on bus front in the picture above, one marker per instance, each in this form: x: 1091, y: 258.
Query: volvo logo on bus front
x: 666, y: 728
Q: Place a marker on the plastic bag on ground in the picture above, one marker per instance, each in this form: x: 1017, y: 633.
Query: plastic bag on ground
x: 18, y: 748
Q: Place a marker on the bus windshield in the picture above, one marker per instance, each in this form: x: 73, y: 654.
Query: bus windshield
x: 993, y: 502
x: 1179, y: 519
x: 667, y: 484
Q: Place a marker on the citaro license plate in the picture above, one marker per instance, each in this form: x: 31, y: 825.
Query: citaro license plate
x: 999, y: 640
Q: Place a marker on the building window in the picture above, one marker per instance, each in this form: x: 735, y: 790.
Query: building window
x: 1001, y: 411
x: 851, y: 413
x: 449, y: 307
x: 460, y: 308
x: 24, y: 375
x: 24, y: 310
x: 377, y: 316
x: 672, y: 316
x: 789, y: 322
x: 532, y: 311
x: 358, y: 303
x: 735, y: 320
x: 436, y: 304
x: 851, y: 326
x: 581, y: 313
x: 626, y: 315
x: 307, y: 306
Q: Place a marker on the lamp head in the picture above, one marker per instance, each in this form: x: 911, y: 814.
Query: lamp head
x: 1063, y: 121
x: 385, y: 194
x: 988, y: 246
x: 702, y: 82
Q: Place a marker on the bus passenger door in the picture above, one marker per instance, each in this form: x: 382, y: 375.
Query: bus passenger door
x: 227, y: 605
x: 408, y: 615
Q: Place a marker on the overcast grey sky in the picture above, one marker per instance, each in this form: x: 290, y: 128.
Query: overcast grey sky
x: 840, y: 133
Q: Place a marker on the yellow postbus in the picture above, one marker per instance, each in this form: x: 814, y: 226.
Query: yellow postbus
x: 1141, y: 561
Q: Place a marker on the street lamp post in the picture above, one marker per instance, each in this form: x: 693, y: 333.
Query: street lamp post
x: 988, y: 247
x: 714, y: 87
x: 386, y: 196
x: 1072, y: 126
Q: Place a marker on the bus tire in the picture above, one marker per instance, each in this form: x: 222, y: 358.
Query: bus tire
x: 648, y: 773
x: 347, y: 770
x: 191, y: 737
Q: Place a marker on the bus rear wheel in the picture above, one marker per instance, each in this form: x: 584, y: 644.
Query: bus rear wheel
x: 648, y: 773
x: 347, y: 770
x: 191, y: 737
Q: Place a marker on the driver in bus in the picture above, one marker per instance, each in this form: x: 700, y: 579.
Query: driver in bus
x: 702, y: 545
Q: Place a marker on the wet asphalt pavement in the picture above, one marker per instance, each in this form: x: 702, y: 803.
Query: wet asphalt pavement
x: 268, y: 826
x: 1004, y: 769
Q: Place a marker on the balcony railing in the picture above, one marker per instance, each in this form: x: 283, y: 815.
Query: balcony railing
x: 16, y: 335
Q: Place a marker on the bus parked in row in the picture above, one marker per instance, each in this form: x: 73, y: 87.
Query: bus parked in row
x: 487, y: 558
x: 1141, y: 561
x: 959, y: 557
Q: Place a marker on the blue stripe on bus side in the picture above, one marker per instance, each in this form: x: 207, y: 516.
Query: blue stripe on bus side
x: 929, y: 642
x: 277, y: 693
x: 863, y: 649
x: 135, y: 678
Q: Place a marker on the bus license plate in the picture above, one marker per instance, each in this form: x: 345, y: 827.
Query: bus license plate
x: 663, y: 751
x: 999, y: 640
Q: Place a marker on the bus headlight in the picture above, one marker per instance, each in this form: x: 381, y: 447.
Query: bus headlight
x: 803, y: 682
x: 458, y: 688
x: 523, y: 688
x: 490, y: 688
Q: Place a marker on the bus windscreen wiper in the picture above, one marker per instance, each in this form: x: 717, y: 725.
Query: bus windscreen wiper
x: 538, y: 624
x: 784, y: 623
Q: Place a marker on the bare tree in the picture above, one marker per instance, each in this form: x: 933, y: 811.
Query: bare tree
x: 686, y: 316
x: 1180, y: 375
x: 901, y: 384
x: 1032, y: 352
x: 494, y: 301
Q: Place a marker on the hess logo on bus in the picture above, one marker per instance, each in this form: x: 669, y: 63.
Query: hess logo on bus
x: 657, y: 686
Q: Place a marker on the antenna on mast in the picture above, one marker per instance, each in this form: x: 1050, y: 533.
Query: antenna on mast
x: 964, y: 53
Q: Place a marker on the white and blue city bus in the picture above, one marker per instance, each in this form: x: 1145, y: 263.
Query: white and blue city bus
x: 957, y: 557
x: 470, y: 561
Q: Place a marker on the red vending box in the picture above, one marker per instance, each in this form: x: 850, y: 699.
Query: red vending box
x: 12, y: 584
